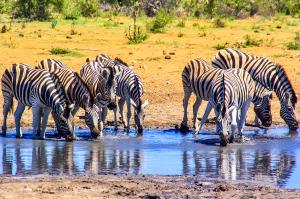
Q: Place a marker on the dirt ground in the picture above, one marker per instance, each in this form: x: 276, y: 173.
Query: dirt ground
x: 30, y: 42
x: 148, y: 187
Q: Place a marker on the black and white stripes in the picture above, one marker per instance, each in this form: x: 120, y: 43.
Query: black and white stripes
x: 35, y: 88
x: 76, y: 91
x: 269, y: 74
x: 130, y: 90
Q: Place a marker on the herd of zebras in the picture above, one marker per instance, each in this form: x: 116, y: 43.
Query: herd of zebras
x: 230, y: 83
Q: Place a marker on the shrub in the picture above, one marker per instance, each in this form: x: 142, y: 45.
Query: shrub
x: 72, y: 14
x: 181, y: 24
x: 220, y: 46
x: 53, y: 23
x: 59, y: 51
x: 110, y: 24
x: 88, y: 8
x: 136, y: 35
x: 294, y: 45
x: 219, y: 23
x: 251, y: 41
x: 159, y: 23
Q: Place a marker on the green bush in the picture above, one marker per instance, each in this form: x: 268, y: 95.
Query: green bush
x: 88, y: 8
x: 72, y: 14
x: 53, y: 23
x: 181, y: 23
x: 59, y: 51
x: 251, y: 41
x: 220, y: 46
x: 294, y: 45
x: 135, y: 35
x: 219, y: 23
x: 159, y: 23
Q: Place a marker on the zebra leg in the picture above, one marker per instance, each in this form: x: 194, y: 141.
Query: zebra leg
x: 8, y: 101
x: 46, y: 112
x: 39, y: 123
x: 104, y: 114
x: 195, y: 112
x: 204, y: 117
x: 234, y: 128
x: 243, y: 117
x: 100, y: 122
x: 257, y: 121
x: 36, y: 110
x: 187, y: 95
x: 121, y: 110
x: 127, y: 127
x: 18, y: 115
x: 115, y: 118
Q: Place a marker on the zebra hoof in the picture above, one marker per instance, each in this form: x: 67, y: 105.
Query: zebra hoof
x: 184, y: 128
x: 3, y: 131
x: 224, y: 140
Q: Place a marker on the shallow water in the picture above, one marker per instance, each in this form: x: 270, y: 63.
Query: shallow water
x: 272, y: 156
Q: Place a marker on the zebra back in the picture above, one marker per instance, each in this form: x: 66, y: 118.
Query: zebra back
x: 263, y: 70
x: 74, y: 87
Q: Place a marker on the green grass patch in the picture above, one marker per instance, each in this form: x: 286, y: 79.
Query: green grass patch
x: 59, y: 51
x: 159, y: 23
x: 294, y: 45
x: 220, y: 46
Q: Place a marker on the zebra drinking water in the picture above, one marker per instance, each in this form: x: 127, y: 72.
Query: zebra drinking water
x: 234, y: 89
x: 198, y: 77
x: 76, y: 91
x: 35, y: 88
x: 101, y: 82
x: 269, y: 74
x: 130, y: 89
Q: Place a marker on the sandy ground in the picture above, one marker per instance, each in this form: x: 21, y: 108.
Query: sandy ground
x: 148, y: 187
x: 163, y: 88
x: 161, y: 77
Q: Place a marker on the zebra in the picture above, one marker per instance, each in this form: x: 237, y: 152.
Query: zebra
x: 101, y: 81
x: 129, y: 89
x: 233, y: 89
x: 76, y: 91
x: 268, y: 73
x: 198, y: 77
x: 35, y: 88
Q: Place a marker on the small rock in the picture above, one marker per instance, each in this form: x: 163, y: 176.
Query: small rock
x: 256, y: 31
x: 4, y: 29
x: 68, y: 37
x: 164, y: 52
x: 168, y: 82
x: 172, y: 53
x: 268, y: 33
x: 167, y: 57
x: 130, y: 53
x: 278, y: 26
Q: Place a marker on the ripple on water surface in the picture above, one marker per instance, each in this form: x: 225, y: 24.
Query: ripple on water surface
x: 272, y: 155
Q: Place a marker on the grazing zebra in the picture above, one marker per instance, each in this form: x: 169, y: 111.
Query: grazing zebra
x: 35, y: 88
x: 101, y: 82
x: 76, y: 91
x: 130, y: 89
x: 198, y: 77
x: 232, y: 90
x: 269, y: 74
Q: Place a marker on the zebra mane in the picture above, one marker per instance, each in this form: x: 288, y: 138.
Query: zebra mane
x: 58, y: 85
x: 223, y: 84
x: 294, y: 95
x: 119, y: 60
x: 78, y: 78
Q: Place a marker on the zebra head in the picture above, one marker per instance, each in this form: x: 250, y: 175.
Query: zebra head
x: 287, y: 111
x: 107, y: 98
x: 64, y: 120
x: 139, y: 116
x: 223, y: 121
x: 262, y: 107
x: 91, y: 116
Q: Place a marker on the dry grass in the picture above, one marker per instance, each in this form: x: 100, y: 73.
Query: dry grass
x: 161, y: 77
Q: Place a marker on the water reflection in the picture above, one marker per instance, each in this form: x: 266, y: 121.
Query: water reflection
x: 273, y: 160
